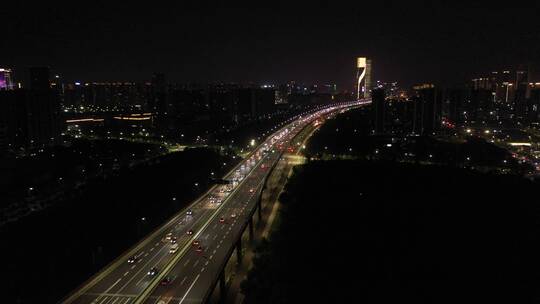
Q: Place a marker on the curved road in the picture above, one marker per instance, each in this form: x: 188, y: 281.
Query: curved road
x: 215, y: 220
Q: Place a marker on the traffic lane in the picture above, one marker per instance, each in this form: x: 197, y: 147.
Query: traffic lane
x: 148, y: 252
x: 149, y: 248
x: 217, y: 236
x: 125, y: 271
x: 109, y: 299
x: 194, y: 262
x: 200, y: 269
x: 142, y: 281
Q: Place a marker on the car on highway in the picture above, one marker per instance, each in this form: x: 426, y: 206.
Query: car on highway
x: 168, y: 237
x: 196, y: 243
x: 132, y: 259
x: 166, y: 281
x: 233, y: 215
x: 190, y: 232
x: 173, y: 240
x: 251, y: 190
x: 152, y: 272
x: 174, y: 248
x: 199, y: 249
x: 222, y: 220
x: 189, y: 212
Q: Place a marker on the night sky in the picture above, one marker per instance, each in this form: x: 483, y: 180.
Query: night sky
x: 276, y: 41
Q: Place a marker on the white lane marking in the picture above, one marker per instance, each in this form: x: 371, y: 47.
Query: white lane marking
x: 115, y: 299
x: 189, y: 289
x: 183, y: 280
x: 127, y: 300
x: 215, y: 236
x: 195, y: 264
x: 158, y: 299
x: 214, y: 252
x: 218, y: 245
x: 104, y: 299
x: 109, y: 289
x: 206, y: 264
x: 132, y: 267
x: 211, y: 257
x: 152, y: 248
x: 157, y: 244
x: 146, y: 255
x: 125, y: 274
x: 185, y: 264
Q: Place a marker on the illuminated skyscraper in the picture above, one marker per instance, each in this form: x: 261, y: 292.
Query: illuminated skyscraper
x: 6, y: 81
x: 363, y: 78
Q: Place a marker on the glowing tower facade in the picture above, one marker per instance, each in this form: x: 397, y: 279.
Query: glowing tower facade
x: 363, y: 78
x: 6, y: 81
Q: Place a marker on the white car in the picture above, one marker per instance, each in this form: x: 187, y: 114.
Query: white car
x: 174, y: 248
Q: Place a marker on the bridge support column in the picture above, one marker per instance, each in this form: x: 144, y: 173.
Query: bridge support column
x: 259, y: 207
x: 222, y: 286
x: 239, y: 251
x: 250, y: 227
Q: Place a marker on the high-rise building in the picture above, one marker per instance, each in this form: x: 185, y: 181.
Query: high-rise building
x: 506, y: 86
x: 39, y: 78
x: 379, y: 109
x: 255, y: 103
x: 43, y: 117
x: 427, y: 109
x: 158, y: 99
x: 521, y: 92
x: 6, y: 79
x: 363, y: 78
x: 30, y: 118
x: 534, y: 103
